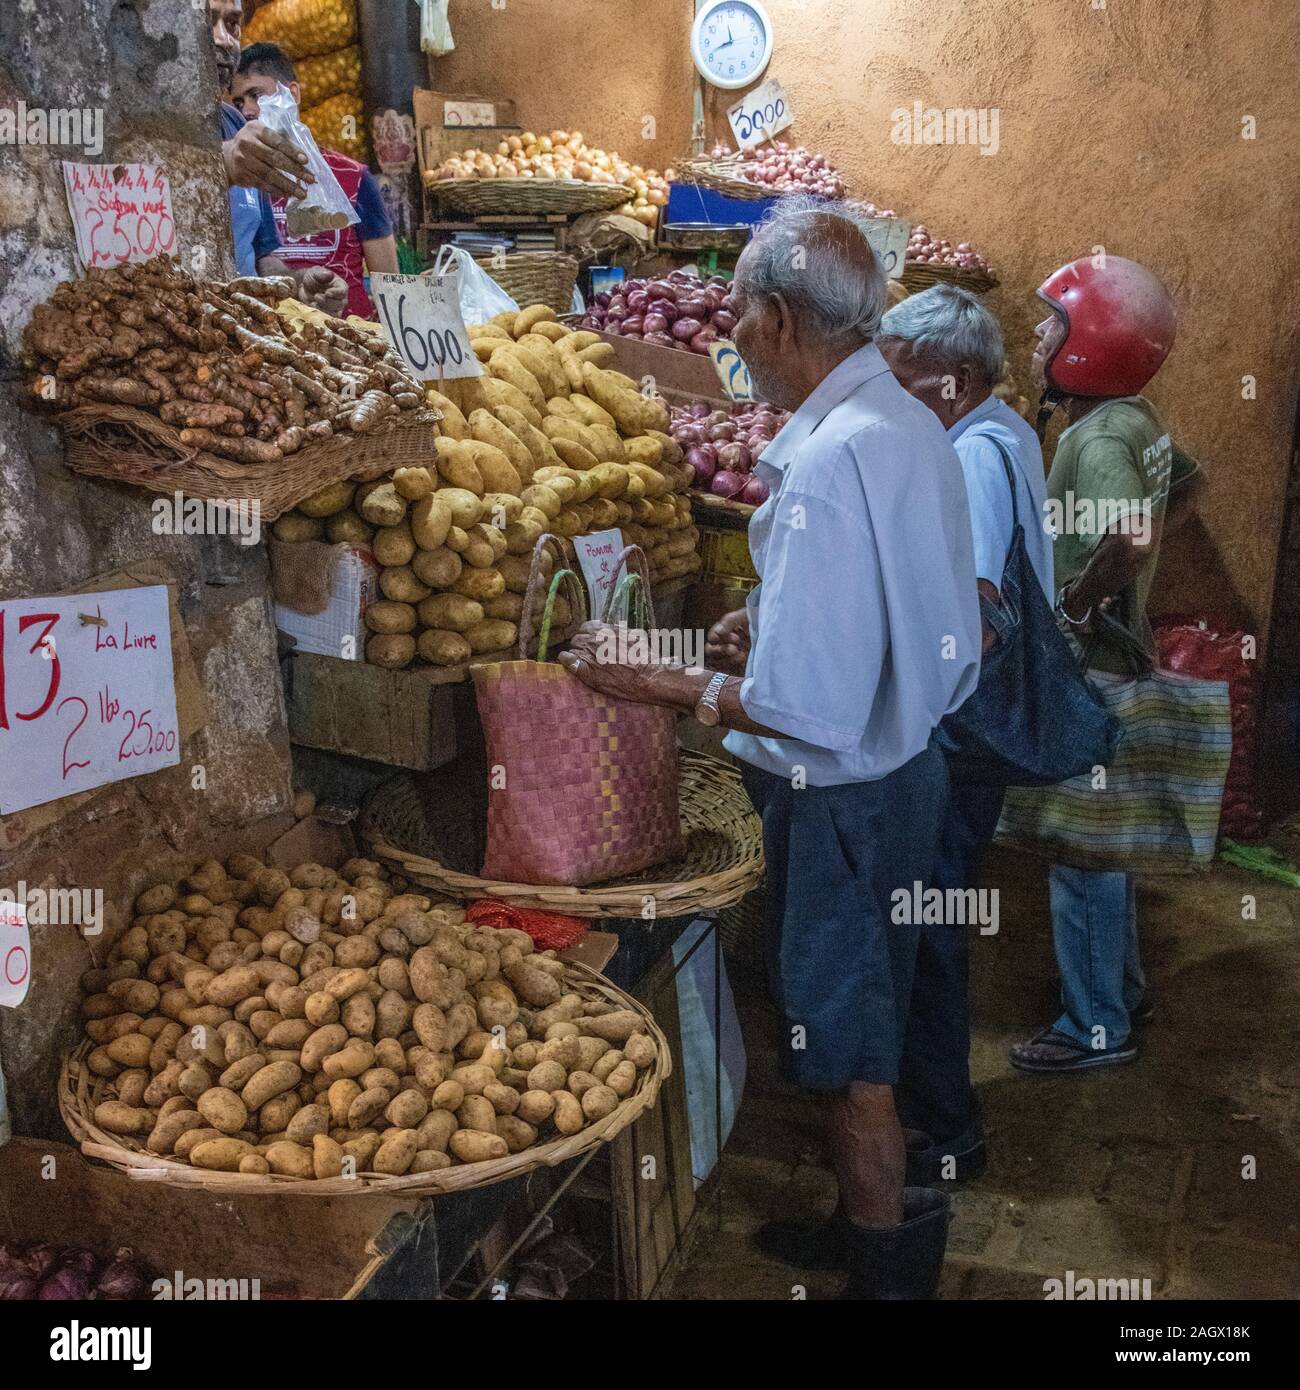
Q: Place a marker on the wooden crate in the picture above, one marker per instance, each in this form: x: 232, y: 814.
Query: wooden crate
x: 403, y: 718
x: 319, y: 1248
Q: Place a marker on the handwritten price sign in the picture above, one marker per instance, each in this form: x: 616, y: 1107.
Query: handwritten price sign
x: 87, y: 693
x: 469, y: 113
x: 120, y: 212
x: 597, y: 554
x: 731, y: 370
x: 15, y: 953
x: 760, y: 115
x: 887, y: 237
x: 421, y: 315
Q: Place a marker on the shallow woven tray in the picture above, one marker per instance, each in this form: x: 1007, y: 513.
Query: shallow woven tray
x: 80, y: 1091
x: 132, y: 446
x: 920, y: 276
x: 724, y: 852
x: 536, y: 277
x: 721, y: 176
x: 530, y: 195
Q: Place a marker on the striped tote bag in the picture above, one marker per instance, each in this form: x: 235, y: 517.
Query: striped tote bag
x: 1155, y: 807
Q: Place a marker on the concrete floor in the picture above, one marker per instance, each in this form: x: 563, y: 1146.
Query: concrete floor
x: 1130, y: 1172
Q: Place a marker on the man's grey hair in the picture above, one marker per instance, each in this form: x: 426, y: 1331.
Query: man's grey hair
x: 949, y: 328
x: 801, y: 257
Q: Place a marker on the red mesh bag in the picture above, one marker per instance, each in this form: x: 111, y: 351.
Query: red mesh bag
x: 551, y: 931
x: 1200, y: 647
x: 581, y: 788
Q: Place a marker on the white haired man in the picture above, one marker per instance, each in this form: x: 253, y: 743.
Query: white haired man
x: 945, y: 347
x: 863, y: 634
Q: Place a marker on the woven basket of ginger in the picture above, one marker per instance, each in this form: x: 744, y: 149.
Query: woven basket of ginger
x: 167, y: 381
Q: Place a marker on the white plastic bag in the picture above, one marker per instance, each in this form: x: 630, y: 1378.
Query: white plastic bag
x: 435, y: 28
x: 324, y: 207
x: 479, y: 294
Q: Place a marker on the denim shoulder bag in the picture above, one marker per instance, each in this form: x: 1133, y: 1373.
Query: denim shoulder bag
x: 1033, y: 719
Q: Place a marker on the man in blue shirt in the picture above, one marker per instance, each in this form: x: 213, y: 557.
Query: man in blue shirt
x: 945, y: 347
x: 258, y: 162
x: 862, y: 636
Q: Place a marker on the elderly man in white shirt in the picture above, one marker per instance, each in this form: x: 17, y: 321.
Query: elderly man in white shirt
x: 863, y: 634
x: 945, y: 347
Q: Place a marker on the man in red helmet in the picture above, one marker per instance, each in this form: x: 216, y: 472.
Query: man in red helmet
x: 1111, y: 326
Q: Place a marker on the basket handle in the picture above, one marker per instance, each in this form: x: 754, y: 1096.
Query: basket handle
x: 548, y: 544
x: 631, y: 587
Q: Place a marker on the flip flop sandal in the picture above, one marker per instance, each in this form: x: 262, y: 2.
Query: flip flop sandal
x: 1051, y: 1051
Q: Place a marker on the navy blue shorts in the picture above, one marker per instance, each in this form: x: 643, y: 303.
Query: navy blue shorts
x: 839, y: 966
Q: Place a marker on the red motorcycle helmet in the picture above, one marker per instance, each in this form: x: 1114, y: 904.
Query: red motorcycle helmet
x: 1119, y: 326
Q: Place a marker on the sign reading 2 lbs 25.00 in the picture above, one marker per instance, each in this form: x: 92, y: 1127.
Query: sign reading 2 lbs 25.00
x: 87, y: 693
x: 421, y: 315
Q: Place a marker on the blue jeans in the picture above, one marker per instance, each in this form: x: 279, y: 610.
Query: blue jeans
x: 934, y: 1091
x: 1094, y: 927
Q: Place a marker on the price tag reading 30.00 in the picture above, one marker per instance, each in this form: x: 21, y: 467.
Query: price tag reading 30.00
x: 421, y: 315
x: 760, y: 115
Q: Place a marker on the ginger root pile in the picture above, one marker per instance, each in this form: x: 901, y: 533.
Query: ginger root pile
x: 215, y: 360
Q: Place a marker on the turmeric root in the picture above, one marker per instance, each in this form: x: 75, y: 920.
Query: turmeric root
x: 193, y: 416
x: 242, y: 450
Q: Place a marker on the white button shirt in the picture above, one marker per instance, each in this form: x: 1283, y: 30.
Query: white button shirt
x: 990, y: 497
x: 865, y: 628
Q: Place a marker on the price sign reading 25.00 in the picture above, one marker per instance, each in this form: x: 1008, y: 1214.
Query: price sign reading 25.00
x: 421, y: 315
x: 87, y: 694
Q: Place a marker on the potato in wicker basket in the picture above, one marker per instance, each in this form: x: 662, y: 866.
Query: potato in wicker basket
x: 325, y: 1031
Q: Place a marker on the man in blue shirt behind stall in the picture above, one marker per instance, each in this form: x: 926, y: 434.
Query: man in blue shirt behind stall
x: 862, y: 636
x: 259, y: 162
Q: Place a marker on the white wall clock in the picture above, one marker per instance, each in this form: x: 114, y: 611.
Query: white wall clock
x: 731, y: 42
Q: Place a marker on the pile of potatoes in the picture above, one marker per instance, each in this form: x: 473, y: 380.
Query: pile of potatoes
x: 319, y: 1023
x: 547, y: 440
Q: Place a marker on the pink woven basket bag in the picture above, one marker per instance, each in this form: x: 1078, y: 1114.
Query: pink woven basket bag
x: 581, y: 788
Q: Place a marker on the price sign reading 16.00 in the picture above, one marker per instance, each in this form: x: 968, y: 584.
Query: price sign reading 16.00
x: 422, y: 318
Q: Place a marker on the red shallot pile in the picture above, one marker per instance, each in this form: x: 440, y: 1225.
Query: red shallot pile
x: 678, y: 311
x: 723, y: 447
x: 923, y: 249
x: 781, y: 169
x: 61, y: 1273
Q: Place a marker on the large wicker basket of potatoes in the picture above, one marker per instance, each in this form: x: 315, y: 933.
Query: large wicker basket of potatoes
x: 326, y: 1032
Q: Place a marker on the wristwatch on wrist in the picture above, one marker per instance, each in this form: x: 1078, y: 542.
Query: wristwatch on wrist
x: 706, y: 710
x: 1060, y: 608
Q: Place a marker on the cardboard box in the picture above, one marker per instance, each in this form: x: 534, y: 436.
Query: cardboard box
x: 339, y: 629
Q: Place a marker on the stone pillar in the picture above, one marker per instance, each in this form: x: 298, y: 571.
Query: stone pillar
x: 145, y: 70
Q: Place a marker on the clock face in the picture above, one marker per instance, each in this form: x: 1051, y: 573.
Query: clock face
x: 732, y: 43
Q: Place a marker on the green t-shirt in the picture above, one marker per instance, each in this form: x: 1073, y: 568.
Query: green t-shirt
x: 1112, y: 468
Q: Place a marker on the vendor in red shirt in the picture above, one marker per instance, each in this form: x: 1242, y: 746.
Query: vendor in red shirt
x: 349, y: 252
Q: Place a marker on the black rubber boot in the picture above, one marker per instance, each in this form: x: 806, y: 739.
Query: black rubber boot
x: 928, y: 1159
x: 806, y: 1244
x: 903, y: 1261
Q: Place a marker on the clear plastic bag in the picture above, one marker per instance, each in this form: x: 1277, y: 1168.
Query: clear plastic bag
x: 324, y: 207
x: 479, y: 294
x: 435, y: 28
